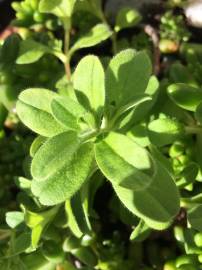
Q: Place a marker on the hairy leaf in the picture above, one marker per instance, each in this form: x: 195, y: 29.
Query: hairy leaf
x: 33, y: 108
x: 60, y: 167
x: 124, y: 162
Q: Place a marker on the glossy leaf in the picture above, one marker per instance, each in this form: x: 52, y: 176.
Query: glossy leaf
x: 126, y: 18
x: 157, y: 204
x: 164, y: 131
x: 124, y: 162
x: 33, y: 108
x: 60, y: 167
x: 185, y: 96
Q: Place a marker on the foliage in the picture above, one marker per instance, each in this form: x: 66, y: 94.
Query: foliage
x: 100, y: 159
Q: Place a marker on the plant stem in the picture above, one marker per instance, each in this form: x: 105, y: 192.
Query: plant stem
x: 67, y: 28
x: 193, y: 129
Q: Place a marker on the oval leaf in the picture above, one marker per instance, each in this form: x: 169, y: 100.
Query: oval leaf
x: 33, y: 108
x: 185, y: 96
x: 124, y: 162
x: 157, y: 204
x: 164, y: 131
x: 60, y: 167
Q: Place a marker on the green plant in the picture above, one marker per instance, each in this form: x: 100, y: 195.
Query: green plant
x: 112, y: 179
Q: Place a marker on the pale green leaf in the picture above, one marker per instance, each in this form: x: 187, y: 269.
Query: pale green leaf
x: 60, y: 8
x: 67, y: 112
x: 140, y: 232
x: 89, y: 84
x: 124, y: 162
x: 15, y: 218
x: 33, y: 108
x: 60, y: 167
x: 97, y: 34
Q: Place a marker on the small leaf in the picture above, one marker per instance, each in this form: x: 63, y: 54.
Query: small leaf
x: 97, y: 34
x: 195, y: 217
x: 67, y: 112
x: 123, y: 162
x: 38, y: 222
x: 188, y: 175
x: 157, y: 204
x: 36, y: 144
x: 33, y: 108
x: 60, y: 8
x: 185, y: 96
x: 13, y: 219
x: 31, y: 51
x: 164, y: 131
x: 140, y: 232
x: 126, y: 77
x: 60, y: 167
x: 89, y: 84
x: 126, y: 18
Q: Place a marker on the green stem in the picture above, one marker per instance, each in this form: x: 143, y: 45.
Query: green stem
x: 193, y: 129
x: 67, y: 28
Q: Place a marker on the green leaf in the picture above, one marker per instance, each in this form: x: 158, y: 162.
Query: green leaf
x: 185, y: 96
x: 67, y: 112
x: 188, y: 175
x: 15, y: 218
x: 198, y: 113
x: 124, y: 162
x: 97, y: 34
x: 89, y: 84
x: 60, y: 167
x: 195, y: 218
x: 140, y: 232
x: 9, y: 50
x: 126, y: 18
x: 126, y: 77
x: 33, y: 108
x: 164, y: 131
x: 37, y: 222
x: 36, y: 144
x: 31, y: 51
x: 158, y: 204
x: 60, y: 8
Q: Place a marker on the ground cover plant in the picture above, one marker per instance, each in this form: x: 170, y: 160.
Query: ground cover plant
x: 100, y: 138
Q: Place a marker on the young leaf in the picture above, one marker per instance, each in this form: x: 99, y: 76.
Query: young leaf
x: 60, y: 8
x: 60, y: 167
x: 157, y: 204
x: 97, y: 34
x: 124, y: 162
x: 31, y: 51
x: 89, y: 84
x: 37, y: 222
x: 67, y: 112
x: 140, y: 232
x: 126, y: 18
x: 13, y: 219
x: 127, y: 76
x: 185, y: 96
x: 33, y: 108
x: 195, y: 217
x: 164, y: 131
